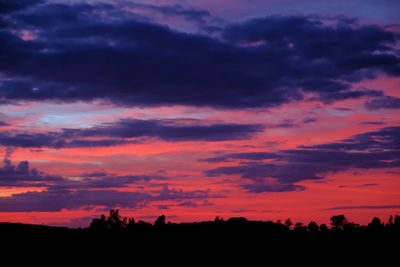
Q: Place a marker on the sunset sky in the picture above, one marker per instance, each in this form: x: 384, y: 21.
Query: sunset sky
x: 194, y: 109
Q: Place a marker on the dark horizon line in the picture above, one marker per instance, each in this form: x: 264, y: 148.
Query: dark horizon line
x: 218, y: 219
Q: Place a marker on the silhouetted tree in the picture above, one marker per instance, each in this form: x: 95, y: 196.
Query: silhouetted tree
x: 99, y: 224
x: 143, y: 228
x: 160, y: 221
x: 323, y: 228
x: 397, y: 221
x: 394, y: 224
x: 131, y: 224
x: 350, y: 227
x: 375, y: 225
x: 218, y: 219
x: 115, y: 222
x: 338, y: 221
x: 237, y: 220
x: 313, y: 227
x: 390, y: 222
x: 288, y: 222
x: 300, y: 227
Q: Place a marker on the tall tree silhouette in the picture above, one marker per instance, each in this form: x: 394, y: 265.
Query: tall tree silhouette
x: 337, y: 221
x: 160, y: 221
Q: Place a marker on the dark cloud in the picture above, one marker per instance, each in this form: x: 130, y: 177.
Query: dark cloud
x: 343, y: 109
x: 86, y: 191
x: 287, y: 123
x: 367, y: 185
x: 7, y: 6
x: 366, y: 207
x: 54, y: 199
x: 372, y: 123
x: 106, y: 181
x: 310, y: 120
x: 192, y: 204
x: 171, y: 130
x: 180, y: 195
x: 83, y: 191
x: 384, y: 140
x: 54, y: 140
x: 271, y: 187
x: 378, y: 149
x: 24, y: 176
x: 190, y: 14
x: 330, y: 97
x: 84, y: 52
x: 122, y: 132
x: 386, y: 102
x: 246, y: 155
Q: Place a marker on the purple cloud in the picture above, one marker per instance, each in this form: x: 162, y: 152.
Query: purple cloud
x: 386, y: 102
x: 133, y: 62
x: 127, y: 131
x: 378, y: 149
x: 87, y: 191
x: 365, y: 207
x: 55, y: 199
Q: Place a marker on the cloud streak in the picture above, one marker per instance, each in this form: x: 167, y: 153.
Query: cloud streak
x: 130, y: 131
x: 369, y: 207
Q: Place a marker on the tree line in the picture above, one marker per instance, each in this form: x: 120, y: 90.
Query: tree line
x: 339, y: 223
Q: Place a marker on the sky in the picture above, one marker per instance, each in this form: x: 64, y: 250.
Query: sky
x: 195, y: 109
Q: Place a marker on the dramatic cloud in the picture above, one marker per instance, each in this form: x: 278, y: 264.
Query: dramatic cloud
x: 261, y: 187
x: 122, y: 132
x: 56, y: 200
x: 379, y: 149
x: 366, y: 207
x: 24, y: 176
x: 247, y: 155
x: 171, y: 130
x: 53, y: 199
x: 83, y: 52
x: 88, y: 190
x: 287, y: 123
x: 387, y: 102
x: 385, y: 140
x: 310, y: 120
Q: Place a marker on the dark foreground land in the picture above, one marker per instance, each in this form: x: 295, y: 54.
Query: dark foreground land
x: 235, y: 241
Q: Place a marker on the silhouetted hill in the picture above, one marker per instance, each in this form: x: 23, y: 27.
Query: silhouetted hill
x: 29, y: 228
x: 114, y: 240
